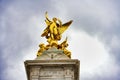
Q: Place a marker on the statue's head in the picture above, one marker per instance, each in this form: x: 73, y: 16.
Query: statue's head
x: 54, y: 19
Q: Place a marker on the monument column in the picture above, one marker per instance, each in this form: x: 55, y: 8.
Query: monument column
x: 53, y: 61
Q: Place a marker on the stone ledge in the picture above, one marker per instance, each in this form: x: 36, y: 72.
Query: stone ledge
x: 71, y: 63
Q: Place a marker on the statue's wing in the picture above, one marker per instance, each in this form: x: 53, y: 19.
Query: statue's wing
x: 64, y: 27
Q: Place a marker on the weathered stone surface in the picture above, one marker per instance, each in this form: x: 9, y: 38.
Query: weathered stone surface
x: 52, y: 53
x: 53, y: 64
x: 52, y: 69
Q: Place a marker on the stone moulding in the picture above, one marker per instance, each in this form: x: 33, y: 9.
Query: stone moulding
x: 52, y: 69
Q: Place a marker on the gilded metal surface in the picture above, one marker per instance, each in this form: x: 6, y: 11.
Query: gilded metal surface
x: 53, y: 33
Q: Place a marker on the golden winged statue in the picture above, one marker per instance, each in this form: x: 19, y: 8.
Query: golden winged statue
x: 55, y: 28
x: 53, y: 31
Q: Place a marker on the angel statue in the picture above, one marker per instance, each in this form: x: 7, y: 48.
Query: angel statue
x: 53, y: 31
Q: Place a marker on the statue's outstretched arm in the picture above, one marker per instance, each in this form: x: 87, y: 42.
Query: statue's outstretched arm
x: 46, y: 16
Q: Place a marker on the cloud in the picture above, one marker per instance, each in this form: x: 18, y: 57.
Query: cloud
x: 95, y: 30
x: 101, y: 19
x: 92, y: 16
x: 95, y: 60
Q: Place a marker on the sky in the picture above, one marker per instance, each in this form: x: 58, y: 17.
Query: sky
x: 93, y: 37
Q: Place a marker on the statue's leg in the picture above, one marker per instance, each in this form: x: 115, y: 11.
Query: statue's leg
x: 52, y: 31
x: 55, y: 31
x: 51, y: 28
x: 52, y: 36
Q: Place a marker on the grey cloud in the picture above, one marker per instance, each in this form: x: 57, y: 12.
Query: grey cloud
x: 17, y: 34
x: 15, y: 27
x: 97, y: 18
x: 93, y: 17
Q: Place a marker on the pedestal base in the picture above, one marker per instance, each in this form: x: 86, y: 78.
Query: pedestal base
x: 52, y: 69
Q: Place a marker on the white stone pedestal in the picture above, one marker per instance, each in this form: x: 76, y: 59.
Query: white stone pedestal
x: 52, y: 65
